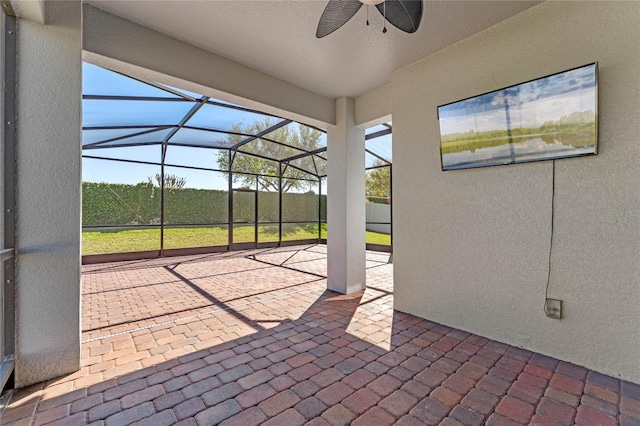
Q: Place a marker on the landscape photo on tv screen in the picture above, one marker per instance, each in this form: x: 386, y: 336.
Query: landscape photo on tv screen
x: 547, y: 118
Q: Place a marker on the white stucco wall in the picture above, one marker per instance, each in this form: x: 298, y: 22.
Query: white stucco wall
x: 375, y: 107
x: 471, y: 247
x: 48, y: 195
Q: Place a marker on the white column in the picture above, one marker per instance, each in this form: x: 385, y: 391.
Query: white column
x: 48, y: 195
x: 346, y: 202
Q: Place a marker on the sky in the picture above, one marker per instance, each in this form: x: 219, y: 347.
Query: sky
x: 99, y: 81
x: 531, y: 104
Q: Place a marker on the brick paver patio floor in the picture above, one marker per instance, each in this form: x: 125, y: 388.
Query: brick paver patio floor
x: 253, y: 337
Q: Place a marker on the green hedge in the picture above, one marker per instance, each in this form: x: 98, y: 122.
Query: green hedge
x: 120, y: 204
x: 187, y: 205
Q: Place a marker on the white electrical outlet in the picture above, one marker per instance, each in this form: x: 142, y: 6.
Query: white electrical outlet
x: 553, y: 308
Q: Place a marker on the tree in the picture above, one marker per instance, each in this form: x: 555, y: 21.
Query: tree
x: 378, y: 181
x: 293, y: 135
x: 170, y: 181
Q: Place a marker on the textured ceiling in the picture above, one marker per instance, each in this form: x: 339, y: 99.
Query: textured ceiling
x: 278, y: 37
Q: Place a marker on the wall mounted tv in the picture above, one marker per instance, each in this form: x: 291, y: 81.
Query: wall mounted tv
x: 548, y: 118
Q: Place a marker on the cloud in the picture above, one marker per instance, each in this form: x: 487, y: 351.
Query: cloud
x: 530, y: 104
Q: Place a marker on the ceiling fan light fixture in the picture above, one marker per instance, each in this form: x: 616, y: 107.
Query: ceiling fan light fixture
x: 402, y: 14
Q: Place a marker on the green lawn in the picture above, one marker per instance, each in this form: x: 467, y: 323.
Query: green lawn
x: 121, y: 241
x: 378, y: 238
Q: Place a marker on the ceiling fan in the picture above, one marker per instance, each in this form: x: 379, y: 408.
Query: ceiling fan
x: 402, y: 14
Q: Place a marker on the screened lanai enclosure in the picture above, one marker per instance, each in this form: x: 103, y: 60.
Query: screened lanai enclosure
x: 167, y: 171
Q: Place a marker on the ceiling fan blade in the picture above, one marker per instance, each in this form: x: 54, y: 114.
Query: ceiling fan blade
x: 335, y: 15
x: 402, y: 14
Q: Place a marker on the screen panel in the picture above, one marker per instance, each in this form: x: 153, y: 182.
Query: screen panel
x: 300, y: 201
x: 120, y: 207
x: 110, y: 112
x: 299, y: 231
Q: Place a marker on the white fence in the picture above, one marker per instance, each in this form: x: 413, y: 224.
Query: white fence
x: 378, y: 213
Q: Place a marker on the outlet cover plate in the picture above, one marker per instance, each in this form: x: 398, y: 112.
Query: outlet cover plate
x: 553, y: 308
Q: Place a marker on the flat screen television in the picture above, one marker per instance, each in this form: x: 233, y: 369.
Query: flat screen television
x: 547, y: 118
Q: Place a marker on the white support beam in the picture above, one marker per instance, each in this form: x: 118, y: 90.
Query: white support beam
x: 49, y: 93
x: 30, y: 10
x: 375, y: 107
x: 346, y: 246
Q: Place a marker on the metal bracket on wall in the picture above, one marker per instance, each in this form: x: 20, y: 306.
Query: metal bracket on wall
x: 7, y: 255
x: 7, y: 8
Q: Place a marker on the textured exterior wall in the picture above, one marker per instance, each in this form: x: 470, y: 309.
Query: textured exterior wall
x: 374, y: 107
x: 48, y: 174
x: 471, y: 247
